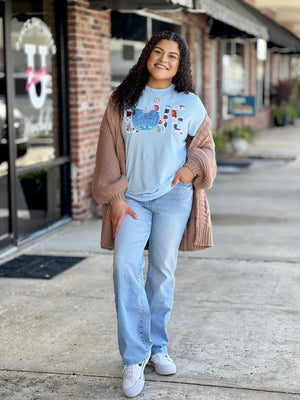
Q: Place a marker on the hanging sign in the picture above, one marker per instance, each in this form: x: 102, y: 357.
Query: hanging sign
x: 261, y: 49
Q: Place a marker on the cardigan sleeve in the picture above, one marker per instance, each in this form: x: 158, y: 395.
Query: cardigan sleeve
x: 109, y: 183
x: 201, y: 156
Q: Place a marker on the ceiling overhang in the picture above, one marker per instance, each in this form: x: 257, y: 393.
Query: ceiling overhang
x: 284, y: 12
x: 281, y: 40
x: 139, y: 4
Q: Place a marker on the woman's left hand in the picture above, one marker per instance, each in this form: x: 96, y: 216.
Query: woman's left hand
x: 183, y: 175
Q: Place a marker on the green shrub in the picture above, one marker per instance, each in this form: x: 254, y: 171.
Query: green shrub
x: 220, y: 141
x: 284, y: 114
x: 239, y: 131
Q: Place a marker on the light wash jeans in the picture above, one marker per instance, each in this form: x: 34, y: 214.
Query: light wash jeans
x: 143, y: 310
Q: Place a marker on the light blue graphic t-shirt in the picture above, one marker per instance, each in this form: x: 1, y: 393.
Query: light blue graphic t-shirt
x: 155, y: 139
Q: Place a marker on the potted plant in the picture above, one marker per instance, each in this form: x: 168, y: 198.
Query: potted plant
x: 296, y: 96
x: 284, y: 98
x: 239, y: 136
x: 285, y: 114
x: 291, y: 113
x: 280, y: 115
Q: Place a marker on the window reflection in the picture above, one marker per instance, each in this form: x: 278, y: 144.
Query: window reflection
x: 35, y: 81
x: 234, y: 72
x: 35, y: 77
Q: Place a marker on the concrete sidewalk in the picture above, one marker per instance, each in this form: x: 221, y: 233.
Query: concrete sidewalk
x: 234, y: 328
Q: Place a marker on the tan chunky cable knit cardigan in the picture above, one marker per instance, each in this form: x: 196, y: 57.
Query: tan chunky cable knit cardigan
x: 110, y: 182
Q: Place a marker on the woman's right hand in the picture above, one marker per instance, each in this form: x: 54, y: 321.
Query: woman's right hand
x: 118, y: 212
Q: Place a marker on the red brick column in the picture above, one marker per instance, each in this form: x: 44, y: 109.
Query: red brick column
x: 89, y: 76
x: 275, y: 68
x: 206, y: 82
x: 252, y: 69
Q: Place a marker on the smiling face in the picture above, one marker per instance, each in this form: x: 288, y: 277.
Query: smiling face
x: 163, y: 64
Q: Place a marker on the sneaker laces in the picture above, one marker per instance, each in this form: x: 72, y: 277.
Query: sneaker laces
x: 128, y: 371
x: 167, y: 357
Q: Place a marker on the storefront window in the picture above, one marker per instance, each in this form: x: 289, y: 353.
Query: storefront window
x: 35, y: 79
x: 159, y: 26
x: 234, y: 73
x: 36, y: 108
x: 129, y: 33
x: 234, y: 68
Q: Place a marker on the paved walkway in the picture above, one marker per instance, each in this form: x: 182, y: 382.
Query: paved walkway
x: 234, y: 329
x: 277, y: 142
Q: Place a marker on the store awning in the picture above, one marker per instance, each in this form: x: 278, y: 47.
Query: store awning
x: 231, y: 19
x: 139, y: 4
x: 281, y: 39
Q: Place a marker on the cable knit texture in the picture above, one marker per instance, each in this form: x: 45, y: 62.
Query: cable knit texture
x: 110, y: 182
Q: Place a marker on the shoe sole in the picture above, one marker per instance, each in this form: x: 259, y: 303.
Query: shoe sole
x: 170, y: 370
x: 136, y: 390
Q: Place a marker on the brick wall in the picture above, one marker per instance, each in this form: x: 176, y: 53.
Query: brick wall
x: 191, y: 40
x: 89, y: 76
x: 275, y: 68
x: 252, y: 69
x: 206, y: 77
x: 262, y: 120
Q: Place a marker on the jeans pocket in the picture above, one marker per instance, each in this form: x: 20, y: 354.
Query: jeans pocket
x: 183, y: 191
x: 188, y: 185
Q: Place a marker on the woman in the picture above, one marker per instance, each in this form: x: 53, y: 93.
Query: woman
x: 155, y: 156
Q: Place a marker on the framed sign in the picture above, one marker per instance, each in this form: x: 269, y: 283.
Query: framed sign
x: 241, y: 105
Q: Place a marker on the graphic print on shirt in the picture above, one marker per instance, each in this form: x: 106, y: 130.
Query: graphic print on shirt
x: 143, y: 119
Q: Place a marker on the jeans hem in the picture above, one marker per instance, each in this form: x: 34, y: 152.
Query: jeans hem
x: 126, y: 363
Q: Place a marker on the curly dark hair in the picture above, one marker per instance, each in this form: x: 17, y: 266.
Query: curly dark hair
x: 128, y: 92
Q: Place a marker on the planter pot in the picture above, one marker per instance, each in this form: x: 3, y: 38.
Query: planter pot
x: 239, y: 146
x: 281, y: 121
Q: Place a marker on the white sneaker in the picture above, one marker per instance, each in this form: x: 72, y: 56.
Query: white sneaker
x: 133, y: 378
x: 163, y: 364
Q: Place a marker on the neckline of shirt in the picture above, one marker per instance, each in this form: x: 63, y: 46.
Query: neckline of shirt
x: 161, y: 91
